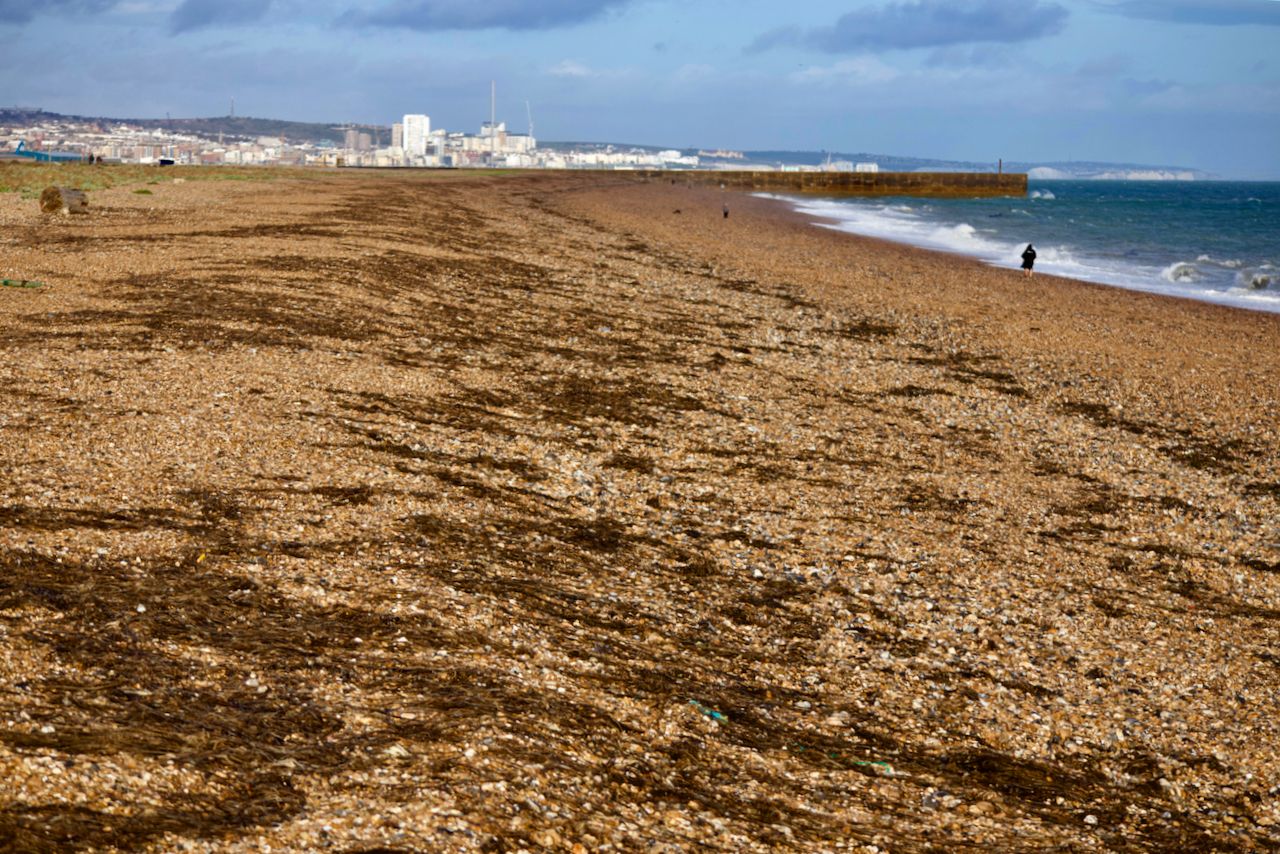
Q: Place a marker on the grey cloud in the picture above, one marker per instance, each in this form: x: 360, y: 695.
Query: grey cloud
x: 1213, y: 12
x: 926, y: 23
x: 433, y: 15
x: 781, y: 37
x: 1106, y: 67
x: 198, y: 14
x: 22, y: 11
x: 986, y: 56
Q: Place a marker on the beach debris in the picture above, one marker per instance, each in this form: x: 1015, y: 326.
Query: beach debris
x: 21, y: 283
x: 709, y: 712
x: 63, y: 200
x: 863, y: 763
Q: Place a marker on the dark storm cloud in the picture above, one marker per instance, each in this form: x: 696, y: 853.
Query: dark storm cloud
x: 22, y: 11
x: 926, y: 23
x: 1213, y: 12
x: 198, y: 14
x: 427, y: 15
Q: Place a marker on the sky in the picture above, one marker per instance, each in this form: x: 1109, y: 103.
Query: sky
x: 1193, y: 83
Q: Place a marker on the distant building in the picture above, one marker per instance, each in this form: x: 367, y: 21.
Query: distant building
x: 354, y: 140
x: 867, y: 167
x: 722, y: 154
x: 493, y: 136
x: 417, y: 128
x: 397, y: 135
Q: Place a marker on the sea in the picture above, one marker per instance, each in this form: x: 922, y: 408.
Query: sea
x: 1217, y: 241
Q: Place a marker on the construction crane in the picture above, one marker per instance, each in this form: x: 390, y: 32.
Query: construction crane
x: 47, y: 156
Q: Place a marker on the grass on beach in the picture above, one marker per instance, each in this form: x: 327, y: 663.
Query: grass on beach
x: 30, y: 179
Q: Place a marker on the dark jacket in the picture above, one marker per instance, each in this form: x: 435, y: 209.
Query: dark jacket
x: 1028, y: 257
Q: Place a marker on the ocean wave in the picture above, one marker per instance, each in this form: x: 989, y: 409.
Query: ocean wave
x: 1181, y: 272
x: 1047, y: 195
x: 1214, y: 276
x: 1256, y: 280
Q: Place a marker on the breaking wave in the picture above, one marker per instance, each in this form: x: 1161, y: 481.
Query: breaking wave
x: 1181, y: 272
x: 1230, y: 265
x: 1003, y: 234
x: 1259, y: 278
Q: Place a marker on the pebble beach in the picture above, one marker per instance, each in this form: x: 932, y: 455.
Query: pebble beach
x: 377, y: 511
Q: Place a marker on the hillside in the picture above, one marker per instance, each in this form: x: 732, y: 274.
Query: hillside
x: 244, y: 127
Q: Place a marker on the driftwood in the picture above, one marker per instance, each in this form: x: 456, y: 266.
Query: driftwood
x: 63, y: 200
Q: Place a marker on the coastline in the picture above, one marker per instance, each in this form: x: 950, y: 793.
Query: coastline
x: 1150, y: 335
x: 524, y: 511
x: 1081, y: 257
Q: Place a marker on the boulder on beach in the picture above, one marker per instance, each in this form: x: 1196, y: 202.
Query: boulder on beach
x: 63, y: 200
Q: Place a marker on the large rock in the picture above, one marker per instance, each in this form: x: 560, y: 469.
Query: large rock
x: 63, y: 200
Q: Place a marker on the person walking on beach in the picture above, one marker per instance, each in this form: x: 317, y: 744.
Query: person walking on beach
x: 1028, y: 260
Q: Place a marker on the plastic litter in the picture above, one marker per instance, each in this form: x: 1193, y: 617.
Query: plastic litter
x: 711, y: 713
x: 21, y: 283
x: 865, y: 763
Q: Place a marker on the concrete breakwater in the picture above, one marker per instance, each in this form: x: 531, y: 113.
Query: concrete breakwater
x: 935, y: 184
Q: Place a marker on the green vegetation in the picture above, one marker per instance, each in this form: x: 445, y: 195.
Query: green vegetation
x: 30, y: 179
x: 239, y: 127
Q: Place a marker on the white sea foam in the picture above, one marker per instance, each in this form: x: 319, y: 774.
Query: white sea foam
x: 1256, y: 287
x: 1047, y: 195
x: 1233, y: 264
x: 1181, y: 271
x: 1257, y: 280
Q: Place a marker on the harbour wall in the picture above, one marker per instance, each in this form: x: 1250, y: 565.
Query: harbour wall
x: 932, y: 184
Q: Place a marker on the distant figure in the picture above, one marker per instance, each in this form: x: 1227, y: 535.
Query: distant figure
x: 1028, y: 260
x: 726, y: 210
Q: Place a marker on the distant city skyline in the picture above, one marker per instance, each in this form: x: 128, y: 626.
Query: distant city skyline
x: 1192, y: 83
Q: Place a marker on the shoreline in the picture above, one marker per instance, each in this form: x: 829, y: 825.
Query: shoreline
x: 977, y: 293
x: 1109, y: 278
x: 382, y: 511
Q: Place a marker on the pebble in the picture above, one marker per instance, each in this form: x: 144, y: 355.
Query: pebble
x: 898, y: 502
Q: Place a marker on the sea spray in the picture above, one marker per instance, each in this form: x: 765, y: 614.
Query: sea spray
x: 1214, y: 241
